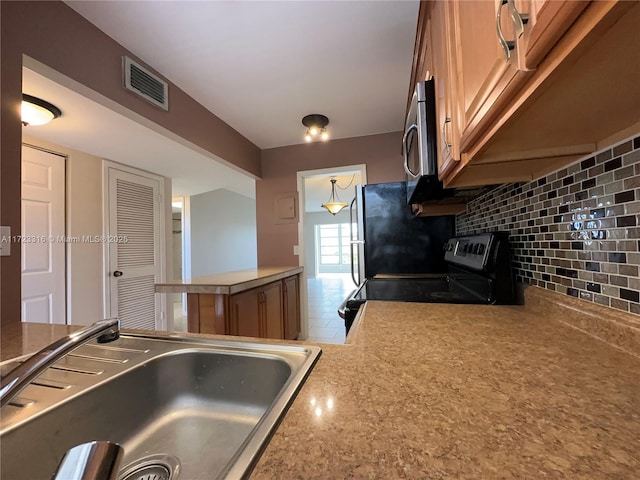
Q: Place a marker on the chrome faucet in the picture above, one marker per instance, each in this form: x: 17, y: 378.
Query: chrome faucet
x: 91, y: 461
x: 18, y: 378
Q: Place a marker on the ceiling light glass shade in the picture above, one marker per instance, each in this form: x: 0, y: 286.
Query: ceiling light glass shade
x: 324, y: 135
x: 313, y: 131
x: 308, y: 137
x: 35, y: 111
x: 334, y: 205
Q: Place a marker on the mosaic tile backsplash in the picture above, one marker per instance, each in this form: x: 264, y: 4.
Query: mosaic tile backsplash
x: 575, y: 231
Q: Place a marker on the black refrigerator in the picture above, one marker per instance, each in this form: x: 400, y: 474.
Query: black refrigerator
x: 387, y: 238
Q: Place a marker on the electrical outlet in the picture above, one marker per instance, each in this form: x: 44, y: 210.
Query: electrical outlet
x: 5, y: 241
x: 296, y: 249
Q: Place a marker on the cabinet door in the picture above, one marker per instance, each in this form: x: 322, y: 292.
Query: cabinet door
x: 291, y: 307
x: 548, y: 20
x: 246, y: 310
x: 445, y: 79
x: 486, y: 67
x: 272, y: 311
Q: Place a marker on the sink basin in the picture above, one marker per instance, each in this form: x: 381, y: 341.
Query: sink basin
x: 196, y: 409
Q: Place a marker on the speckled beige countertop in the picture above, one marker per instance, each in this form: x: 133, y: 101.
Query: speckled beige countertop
x: 431, y: 391
x: 228, y: 283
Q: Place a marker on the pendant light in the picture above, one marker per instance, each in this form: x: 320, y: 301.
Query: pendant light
x: 334, y: 205
x: 35, y: 111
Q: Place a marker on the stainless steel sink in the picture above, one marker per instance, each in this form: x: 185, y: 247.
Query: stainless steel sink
x: 196, y: 409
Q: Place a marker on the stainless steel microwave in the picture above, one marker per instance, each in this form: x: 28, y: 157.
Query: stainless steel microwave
x: 419, y: 145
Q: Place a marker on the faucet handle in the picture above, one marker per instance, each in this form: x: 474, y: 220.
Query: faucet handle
x: 90, y: 461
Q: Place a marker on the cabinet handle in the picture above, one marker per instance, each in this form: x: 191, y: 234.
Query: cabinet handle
x: 519, y: 19
x: 447, y: 145
x: 507, y: 45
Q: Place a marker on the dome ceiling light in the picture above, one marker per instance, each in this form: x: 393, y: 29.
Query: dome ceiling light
x: 36, y: 111
x: 316, y: 127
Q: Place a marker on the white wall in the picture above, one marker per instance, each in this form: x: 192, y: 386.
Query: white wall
x: 311, y: 219
x: 223, y: 232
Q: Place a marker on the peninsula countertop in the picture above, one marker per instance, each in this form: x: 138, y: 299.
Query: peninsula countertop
x: 228, y: 283
x: 460, y: 391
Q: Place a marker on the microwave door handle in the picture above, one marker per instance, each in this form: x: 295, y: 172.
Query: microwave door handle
x: 405, y: 149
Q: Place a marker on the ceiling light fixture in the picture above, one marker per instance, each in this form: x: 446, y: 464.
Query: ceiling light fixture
x: 316, y: 126
x: 334, y: 205
x: 36, y: 111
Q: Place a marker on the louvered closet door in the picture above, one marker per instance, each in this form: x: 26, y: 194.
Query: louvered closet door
x: 134, y: 248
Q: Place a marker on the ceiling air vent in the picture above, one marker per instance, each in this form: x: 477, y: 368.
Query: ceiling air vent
x: 149, y: 86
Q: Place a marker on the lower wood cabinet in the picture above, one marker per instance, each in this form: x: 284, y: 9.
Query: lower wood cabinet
x: 269, y: 311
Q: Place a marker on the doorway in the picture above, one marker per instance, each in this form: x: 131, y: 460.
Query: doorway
x: 325, y: 287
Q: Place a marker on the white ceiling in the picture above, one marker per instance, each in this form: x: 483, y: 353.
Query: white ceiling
x: 263, y: 65
x: 258, y: 65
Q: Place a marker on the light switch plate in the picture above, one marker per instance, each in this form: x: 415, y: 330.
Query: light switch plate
x: 5, y: 241
x: 296, y: 249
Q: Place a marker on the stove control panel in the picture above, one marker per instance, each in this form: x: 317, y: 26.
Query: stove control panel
x: 471, y: 251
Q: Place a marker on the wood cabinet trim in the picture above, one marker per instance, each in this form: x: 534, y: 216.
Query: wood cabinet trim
x: 193, y: 313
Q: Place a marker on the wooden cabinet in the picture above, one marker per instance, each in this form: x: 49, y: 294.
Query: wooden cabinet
x: 567, y: 89
x: 271, y: 310
x: 291, y: 307
x: 445, y: 77
x: 258, y: 312
x: 547, y: 21
x: 246, y: 313
x: 486, y: 64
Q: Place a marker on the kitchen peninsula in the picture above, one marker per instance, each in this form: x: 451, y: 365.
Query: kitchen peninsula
x: 260, y: 302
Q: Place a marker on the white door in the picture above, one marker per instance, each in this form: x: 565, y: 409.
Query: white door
x: 43, y: 229
x: 134, y: 241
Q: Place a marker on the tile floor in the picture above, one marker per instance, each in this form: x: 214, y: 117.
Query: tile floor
x: 325, y: 294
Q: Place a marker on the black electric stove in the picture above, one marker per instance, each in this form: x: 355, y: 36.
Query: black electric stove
x: 479, y: 272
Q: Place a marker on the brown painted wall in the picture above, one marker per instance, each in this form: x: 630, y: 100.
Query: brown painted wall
x: 381, y: 154
x: 57, y: 36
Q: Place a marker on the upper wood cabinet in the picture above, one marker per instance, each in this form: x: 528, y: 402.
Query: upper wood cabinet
x: 445, y: 76
x: 547, y: 21
x: 562, y: 85
x: 486, y: 62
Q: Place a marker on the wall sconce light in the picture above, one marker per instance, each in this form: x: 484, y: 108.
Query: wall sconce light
x: 316, y: 124
x: 36, y: 111
x: 334, y: 205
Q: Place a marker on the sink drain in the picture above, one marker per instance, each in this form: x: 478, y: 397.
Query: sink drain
x: 150, y: 472
x: 154, y: 467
